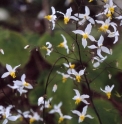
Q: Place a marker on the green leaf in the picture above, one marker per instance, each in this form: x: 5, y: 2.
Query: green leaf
x: 13, y: 45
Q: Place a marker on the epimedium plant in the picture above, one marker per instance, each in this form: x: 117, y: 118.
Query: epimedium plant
x: 72, y: 77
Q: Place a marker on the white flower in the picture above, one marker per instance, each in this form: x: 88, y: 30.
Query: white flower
x: 98, y: 61
x: 100, y: 47
x: 34, y: 117
x: 64, y: 44
x: 68, y: 16
x: 46, y: 104
x: 62, y: 117
x: 105, y: 25
x: 109, y: 9
x: 108, y: 90
x: 85, y: 34
x: 20, y: 85
x: 40, y: 101
x: 85, y: 17
x: 52, y: 17
x: 10, y: 72
x: 5, y: 112
x: 64, y: 76
x: 114, y: 34
x: 80, y: 98
x: 54, y: 88
x: 57, y: 108
x: 82, y: 115
x: 77, y: 74
x: 48, y: 48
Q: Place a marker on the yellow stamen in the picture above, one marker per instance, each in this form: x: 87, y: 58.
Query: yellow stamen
x: 108, y: 95
x: 82, y: 117
x: 21, y: 118
x: 78, y: 100
x: 60, y: 119
x: 109, y: 15
x: 31, y: 120
x: 78, y: 78
x: 111, y: 9
x: 61, y: 45
x: 85, y: 36
x: 26, y: 84
x: 48, y: 17
x: 66, y: 20
x: 104, y: 27
x: 72, y: 66
x: 105, y: 1
x: 12, y: 74
x: 64, y: 79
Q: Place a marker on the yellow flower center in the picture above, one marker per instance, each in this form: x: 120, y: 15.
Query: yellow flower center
x: 26, y: 84
x: 31, y: 120
x: 61, y: 45
x: 85, y: 36
x: 78, y: 100
x: 78, y: 78
x: 64, y: 79
x: 111, y: 9
x: 104, y: 27
x: 12, y: 74
x: 72, y: 66
x: 109, y: 15
x: 48, y: 17
x: 60, y: 119
x: 82, y: 117
x: 108, y: 95
x: 66, y: 20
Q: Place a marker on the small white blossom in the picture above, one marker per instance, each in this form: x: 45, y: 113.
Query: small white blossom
x: 82, y: 115
x: 108, y: 90
x: 64, y: 44
x: 80, y: 98
x: 11, y: 71
x: 85, y: 34
x: 68, y: 16
x: 48, y: 48
x: 100, y: 47
x: 77, y: 74
x: 52, y: 17
x: 85, y: 16
x: 98, y: 61
x: 57, y: 108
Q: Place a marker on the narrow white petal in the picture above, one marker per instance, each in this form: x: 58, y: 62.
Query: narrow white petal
x: 99, y: 53
x: 76, y: 112
x: 40, y: 100
x: 90, y: 20
x: 8, y: 67
x: 105, y: 49
x: 96, y: 64
x: 100, y: 41
x: 77, y: 92
x: 84, y: 42
x: 87, y: 11
x: 5, y: 121
x: 5, y: 75
x: 84, y: 110
x: 67, y: 117
x: 88, y: 28
x: 92, y: 47
x: 89, y: 116
x: 91, y: 38
x: 53, y: 10
x: 78, y: 32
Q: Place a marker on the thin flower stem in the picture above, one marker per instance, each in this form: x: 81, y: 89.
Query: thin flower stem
x: 47, y: 82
